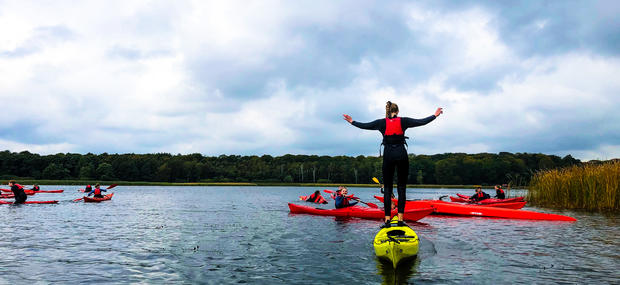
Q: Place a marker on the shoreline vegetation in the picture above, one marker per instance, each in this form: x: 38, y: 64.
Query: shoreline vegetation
x: 237, y: 184
x: 591, y: 187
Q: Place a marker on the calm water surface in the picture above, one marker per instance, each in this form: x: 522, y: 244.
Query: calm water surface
x: 220, y: 235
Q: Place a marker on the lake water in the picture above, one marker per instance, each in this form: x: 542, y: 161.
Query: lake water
x: 218, y: 235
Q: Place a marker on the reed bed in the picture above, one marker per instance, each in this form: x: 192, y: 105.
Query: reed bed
x: 594, y: 187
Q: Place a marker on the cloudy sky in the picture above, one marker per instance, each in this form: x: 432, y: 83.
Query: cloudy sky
x: 275, y: 77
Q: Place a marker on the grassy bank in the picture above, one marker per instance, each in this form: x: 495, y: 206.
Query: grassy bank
x: 589, y: 187
x: 141, y: 183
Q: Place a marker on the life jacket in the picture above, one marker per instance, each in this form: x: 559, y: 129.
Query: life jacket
x: 97, y: 191
x: 88, y: 188
x: 499, y: 190
x: 394, y: 133
x: 36, y: 188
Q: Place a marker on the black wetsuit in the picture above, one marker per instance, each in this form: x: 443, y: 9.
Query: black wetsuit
x: 394, y: 156
x: 499, y: 194
x: 20, y: 195
x: 480, y: 196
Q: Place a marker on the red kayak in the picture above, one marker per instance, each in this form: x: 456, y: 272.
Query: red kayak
x: 509, y: 205
x: 32, y: 202
x: 92, y: 199
x: 448, y: 208
x: 6, y: 196
x: 49, y: 191
x: 359, y: 212
x: 486, y: 201
x: 28, y: 192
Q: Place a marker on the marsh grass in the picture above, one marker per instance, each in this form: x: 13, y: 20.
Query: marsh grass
x: 589, y: 187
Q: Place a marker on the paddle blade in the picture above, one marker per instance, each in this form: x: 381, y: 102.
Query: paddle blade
x: 328, y: 191
x: 112, y: 186
x: 375, y: 180
x: 78, y: 199
x: 372, y: 205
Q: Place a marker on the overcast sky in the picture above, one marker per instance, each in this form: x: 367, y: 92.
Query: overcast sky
x: 275, y: 77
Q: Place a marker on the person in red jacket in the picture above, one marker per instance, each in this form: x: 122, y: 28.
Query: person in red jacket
x: 18, y: 191
x: 499, y: 192
x: 316, y: 198
x: 479, y: 196
x: 97, y: 191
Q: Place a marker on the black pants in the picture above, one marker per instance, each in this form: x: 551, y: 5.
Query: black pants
x: 98, y: 196
x: 395, y: 158
x: 20, y: 198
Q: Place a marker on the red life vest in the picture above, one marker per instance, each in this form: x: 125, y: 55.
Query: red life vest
x: 97, y: 191
x: 19, y: 186
x: 500, y: 190
x: 394, y: 133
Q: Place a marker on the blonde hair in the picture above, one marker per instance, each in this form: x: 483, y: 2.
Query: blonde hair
x: 390, y: 108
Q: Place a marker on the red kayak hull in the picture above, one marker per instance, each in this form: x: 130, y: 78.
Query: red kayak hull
x: 465, y: 199
x: 28, y: 192
x: 32, y: 202
x: 96, y: 200
x: 49, y: 191
x: 359, y: 212
x: 448, y: 208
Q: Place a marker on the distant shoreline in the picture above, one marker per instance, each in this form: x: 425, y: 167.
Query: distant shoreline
x: 237, y: 184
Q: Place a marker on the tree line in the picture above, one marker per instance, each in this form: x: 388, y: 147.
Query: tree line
x: 448, y: 168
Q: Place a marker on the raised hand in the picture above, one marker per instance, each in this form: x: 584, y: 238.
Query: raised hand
x: 438, y: 112
x: 348, y: 118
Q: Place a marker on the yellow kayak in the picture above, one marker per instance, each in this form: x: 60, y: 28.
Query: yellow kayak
x: 396, y: 243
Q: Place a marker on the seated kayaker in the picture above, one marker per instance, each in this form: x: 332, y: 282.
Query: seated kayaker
x: 97, y: 191
x: 35, y: 188
x: 18, y: 191
x: 342, y: 199
x: 88, y: 188
x: 499, y: 192
x: 316, y: 198
x: 479, y: 196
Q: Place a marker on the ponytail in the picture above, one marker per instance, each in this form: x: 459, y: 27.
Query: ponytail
x: 390, y: 108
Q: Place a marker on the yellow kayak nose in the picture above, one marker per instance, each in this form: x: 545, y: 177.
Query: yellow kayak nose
x: 396, y: 243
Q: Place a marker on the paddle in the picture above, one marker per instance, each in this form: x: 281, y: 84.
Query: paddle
x: 109, y: 187
x: 372, y: 205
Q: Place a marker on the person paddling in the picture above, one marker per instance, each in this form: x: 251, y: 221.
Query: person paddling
x: 316, y: 198
x: 342, y: 199
x: 36, y: 187
x: 18, y: 192
x: 499, y: 192
x: 395, y: 155
x: 88, y: 188
x: 97, y: 191
x: 479, y: 196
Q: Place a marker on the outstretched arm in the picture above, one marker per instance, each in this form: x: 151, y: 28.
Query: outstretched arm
x: 410, y: 122
x: 374, y: 125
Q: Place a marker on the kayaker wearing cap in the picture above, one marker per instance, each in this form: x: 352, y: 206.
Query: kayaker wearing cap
x: 88, y: 188
x: 18, y: 191
x: 479, y: 196
x: 36, y: 187
x: 97, y: 191
x: 395, y: 155
x: 499, y: 192
x: 342, y: 199
x: 316, y: 198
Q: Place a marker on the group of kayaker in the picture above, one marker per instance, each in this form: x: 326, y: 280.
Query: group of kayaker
x: 340, y: 197
x: 96, y: 191
x: 480, y: 195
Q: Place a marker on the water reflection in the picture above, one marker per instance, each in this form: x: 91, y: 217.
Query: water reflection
x: 405, y: 269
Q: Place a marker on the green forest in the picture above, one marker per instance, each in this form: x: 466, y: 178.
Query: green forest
x: 446, y: 169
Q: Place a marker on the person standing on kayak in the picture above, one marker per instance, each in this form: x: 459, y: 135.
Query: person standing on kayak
x: 479, y: 196
x: 97, y: 191
x: 499, y: 192
x: 395, y: 155
x: 342, y: 199
x: 18, y: 192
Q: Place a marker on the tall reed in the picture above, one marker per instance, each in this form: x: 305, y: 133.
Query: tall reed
x: 588, y: 186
